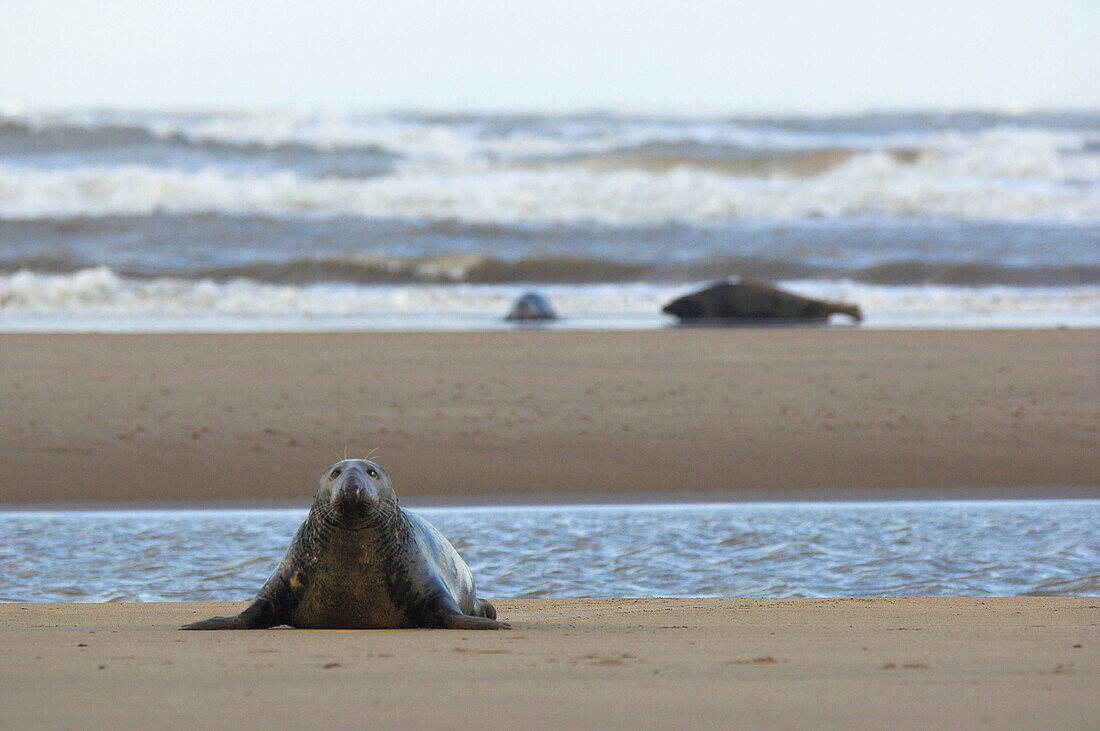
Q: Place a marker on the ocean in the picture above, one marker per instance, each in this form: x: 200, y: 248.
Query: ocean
x: 264, y: 220
x: 930, y: 548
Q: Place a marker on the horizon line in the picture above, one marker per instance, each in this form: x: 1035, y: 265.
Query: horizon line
x: 13, y: 108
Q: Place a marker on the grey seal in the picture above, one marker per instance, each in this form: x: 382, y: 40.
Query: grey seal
x: 746, y: 301
x: 531, y: 306
x: 360, y: 561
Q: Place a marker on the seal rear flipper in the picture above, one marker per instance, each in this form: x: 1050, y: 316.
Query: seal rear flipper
x: 464, y: 621
x: 218, y: 623
x: 259, y: 615
x: 448, y: 616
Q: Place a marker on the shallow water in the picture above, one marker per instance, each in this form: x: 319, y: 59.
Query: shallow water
x: 1008, y: 548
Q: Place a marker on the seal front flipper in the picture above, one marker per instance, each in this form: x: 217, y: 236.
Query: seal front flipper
x: 482, y: 608
x: 260, y: 614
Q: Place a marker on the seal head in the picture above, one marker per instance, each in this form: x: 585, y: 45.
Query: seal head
x: 531, y: 307
x: 354, y: 487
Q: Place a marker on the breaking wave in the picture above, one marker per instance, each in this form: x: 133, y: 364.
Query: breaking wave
x: 100, y: 291
x: 247, y: 214
x: 460, y: 135
x: 501, y: 169
x: 552, y: 269
x: 970, y: 185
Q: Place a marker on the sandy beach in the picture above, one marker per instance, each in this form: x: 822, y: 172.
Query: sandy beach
x: 654, y: 663
x: 553, y: 416
x: 237, y: 248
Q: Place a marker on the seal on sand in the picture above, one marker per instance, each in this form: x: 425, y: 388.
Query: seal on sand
x: 734, y: 300
x: 359, y: 561
x: 531, y: 306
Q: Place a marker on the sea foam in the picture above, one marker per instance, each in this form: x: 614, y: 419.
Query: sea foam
x: 98, y: 298
x: 488, y: 169
x: 131, y: 220
x: 967, y: 186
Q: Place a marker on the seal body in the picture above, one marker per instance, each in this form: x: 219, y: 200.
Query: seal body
x: 742, y: 300
x: 359, y: 561
x: 532, y: 306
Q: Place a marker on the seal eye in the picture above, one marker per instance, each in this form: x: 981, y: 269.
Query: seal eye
x: 372, y: 472
x: 334, y: 474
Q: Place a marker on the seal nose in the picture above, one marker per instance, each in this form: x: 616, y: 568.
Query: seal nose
x: 353, y: 486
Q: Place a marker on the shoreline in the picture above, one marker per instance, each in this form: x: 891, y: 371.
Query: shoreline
x: 948, y: 323
x: 949, y: 662
x: 743, y: 415
x: 868, y: 496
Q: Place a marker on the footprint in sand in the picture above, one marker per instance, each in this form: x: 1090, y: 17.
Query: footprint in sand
x: 593, y: 658
x: 764, y: 660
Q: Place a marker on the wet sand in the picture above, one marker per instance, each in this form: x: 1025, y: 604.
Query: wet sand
x: 553, y: 416
x: 644, y: 663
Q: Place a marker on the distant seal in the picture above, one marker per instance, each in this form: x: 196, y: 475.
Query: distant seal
x: 359, y: 561
x: 531, y: 306
x: 733, y: 300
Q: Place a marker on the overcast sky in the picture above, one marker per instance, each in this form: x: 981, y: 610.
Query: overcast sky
x: 551, y: 55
